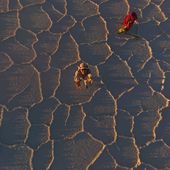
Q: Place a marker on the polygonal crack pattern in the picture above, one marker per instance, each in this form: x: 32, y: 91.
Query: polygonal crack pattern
x: 121, y: 122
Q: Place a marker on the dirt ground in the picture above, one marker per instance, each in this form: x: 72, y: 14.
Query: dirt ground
x: 121, y: 122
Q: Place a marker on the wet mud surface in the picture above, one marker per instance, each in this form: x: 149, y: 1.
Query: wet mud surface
x: 121, y: 122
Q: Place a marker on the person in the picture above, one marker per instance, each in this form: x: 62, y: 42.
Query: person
x: 83, y: 73
x: 128, y: 22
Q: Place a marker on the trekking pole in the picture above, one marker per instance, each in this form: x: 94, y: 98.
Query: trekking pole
x: 137, y: 28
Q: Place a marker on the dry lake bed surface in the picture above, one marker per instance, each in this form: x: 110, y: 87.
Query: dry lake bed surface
x: 122, y: 122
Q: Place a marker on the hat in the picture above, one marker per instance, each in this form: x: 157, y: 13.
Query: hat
x: 134, y: 15
x: 83, y: 66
